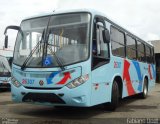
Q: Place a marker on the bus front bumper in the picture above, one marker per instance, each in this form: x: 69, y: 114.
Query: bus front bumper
x: 5, y: 85
x: 79, y: 96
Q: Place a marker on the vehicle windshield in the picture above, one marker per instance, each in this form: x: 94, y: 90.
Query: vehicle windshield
x: 48, y: 41
x: 4, y: 67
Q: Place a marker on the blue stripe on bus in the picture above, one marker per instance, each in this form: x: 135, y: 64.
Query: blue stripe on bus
x: 140, y: 77
x: 154, y: 72
x: 52, y: 75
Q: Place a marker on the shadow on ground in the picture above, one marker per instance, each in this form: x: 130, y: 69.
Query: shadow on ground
x: 75, y: 112
x: 125, y: 105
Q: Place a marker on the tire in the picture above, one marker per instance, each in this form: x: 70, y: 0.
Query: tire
x: 144, y: 93
x: 60, y: 107
x: 114, y: 98
x: 3, y: 90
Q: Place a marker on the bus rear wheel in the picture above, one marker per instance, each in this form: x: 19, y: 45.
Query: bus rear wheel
x: 114, y: 98
x: 144, y: 93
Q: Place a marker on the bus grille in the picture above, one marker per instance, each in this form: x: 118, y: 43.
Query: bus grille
x: 43, y: 88
x: 42, y: 98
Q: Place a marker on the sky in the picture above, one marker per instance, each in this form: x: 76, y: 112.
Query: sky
x: 138, y: 16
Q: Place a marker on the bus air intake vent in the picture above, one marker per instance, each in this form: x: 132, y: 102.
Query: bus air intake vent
x: 43, y: 88
x: 42, y: 98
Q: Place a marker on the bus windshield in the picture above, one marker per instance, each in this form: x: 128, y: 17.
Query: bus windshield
x: 47, y: 39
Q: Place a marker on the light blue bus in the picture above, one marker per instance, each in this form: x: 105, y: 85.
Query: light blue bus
x: 78, y: 58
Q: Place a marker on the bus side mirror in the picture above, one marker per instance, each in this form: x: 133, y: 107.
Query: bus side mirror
x: 98, y: 41
x: 106, y: 36
x: 6, y: 36
x: 6, y: 41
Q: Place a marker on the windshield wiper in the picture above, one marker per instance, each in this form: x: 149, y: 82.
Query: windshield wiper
x: 32, y: 52
x: 59, y: 61
x: 57, y: 58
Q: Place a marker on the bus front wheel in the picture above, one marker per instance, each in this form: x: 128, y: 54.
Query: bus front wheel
x: 114, y: 98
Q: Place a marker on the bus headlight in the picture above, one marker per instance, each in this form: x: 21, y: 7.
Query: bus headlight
x: 77, y: 82
x: 15, y: 82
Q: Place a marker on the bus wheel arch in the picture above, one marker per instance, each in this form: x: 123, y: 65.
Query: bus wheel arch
x: 146, y: 77
x: 119, y: 81
x: 116, y: 93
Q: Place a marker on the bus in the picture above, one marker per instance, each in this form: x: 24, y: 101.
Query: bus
x: 5, y: 73
x: 78, y: 58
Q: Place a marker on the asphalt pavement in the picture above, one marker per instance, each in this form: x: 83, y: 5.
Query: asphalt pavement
x: 132, y: 110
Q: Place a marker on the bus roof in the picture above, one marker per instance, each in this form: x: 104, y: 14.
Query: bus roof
x: 93, y: 12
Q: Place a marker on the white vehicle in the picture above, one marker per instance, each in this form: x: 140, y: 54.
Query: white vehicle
x: 5, y: 73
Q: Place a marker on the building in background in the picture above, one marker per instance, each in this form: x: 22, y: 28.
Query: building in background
x: 156, y: 44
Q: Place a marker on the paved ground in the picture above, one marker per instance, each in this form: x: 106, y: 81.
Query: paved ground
x: 130, y: 108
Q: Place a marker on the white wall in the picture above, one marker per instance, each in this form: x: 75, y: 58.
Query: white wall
x: 156, y: 44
